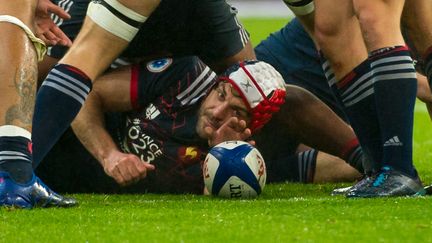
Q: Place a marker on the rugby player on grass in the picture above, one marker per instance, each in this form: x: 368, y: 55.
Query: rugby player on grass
x: 208, y: 29
x: 109, y: 27
x: 169, y: 112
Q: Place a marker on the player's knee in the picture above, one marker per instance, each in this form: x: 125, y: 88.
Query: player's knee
x: 325, y: 30
x: 368, y: 19
x: 116, y: 18
x: 334, y: 26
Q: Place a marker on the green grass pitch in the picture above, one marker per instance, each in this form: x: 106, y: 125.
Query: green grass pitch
x: 283, y: 213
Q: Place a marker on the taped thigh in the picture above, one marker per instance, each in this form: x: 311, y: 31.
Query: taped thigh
x: 38, y: 43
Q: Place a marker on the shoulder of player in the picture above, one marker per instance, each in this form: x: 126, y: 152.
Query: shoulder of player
x: 197, y: 81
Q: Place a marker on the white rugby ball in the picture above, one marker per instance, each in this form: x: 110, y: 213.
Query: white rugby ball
x: 234, y: 169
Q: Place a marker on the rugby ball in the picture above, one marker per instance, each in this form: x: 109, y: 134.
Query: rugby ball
x: 234, y: 169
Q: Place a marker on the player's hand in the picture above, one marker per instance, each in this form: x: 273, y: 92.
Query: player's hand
x: 46, y: 29
x: 232, y: 129
x: 126, y: 169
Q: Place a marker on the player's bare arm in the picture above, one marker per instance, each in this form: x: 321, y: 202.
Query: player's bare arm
x: 111, y: 93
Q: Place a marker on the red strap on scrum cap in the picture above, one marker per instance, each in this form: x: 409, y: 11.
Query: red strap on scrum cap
x: 261, y: 87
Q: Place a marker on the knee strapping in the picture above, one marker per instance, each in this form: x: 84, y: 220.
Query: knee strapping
x: 116, y: 18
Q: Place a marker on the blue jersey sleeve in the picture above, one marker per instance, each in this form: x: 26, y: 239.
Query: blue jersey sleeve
x: 178, y: 81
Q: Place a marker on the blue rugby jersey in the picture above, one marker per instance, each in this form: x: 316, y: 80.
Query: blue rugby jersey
x: 167, y: 94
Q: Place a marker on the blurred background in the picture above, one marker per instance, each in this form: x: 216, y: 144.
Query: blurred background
x: 261, y: 8
x: 261, y: 17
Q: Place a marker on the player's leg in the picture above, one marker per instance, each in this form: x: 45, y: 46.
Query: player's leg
x: 394, y: 90
x: 17, y: 79
x: 18, y: 75
x: 309, y: 166
x: 356, y: 88
x: 348, y: 71
x: 416, y: 20
x: 307, y: 119
x: 315, y: 166
x: 424, y: 92
x: 296, y: 167
x: 108, y: 28
x: 98, y: 43
x: 338, y: 35
x: 333, y: 169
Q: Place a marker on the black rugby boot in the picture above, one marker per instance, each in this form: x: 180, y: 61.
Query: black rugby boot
x: 389, y: 183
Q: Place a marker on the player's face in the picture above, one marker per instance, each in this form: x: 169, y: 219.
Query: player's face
x: 221, y: 104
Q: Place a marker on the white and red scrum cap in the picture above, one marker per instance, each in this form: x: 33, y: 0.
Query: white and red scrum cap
x: 261, y: 87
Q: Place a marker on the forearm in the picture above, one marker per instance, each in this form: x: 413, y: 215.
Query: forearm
x: 89, y: 127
